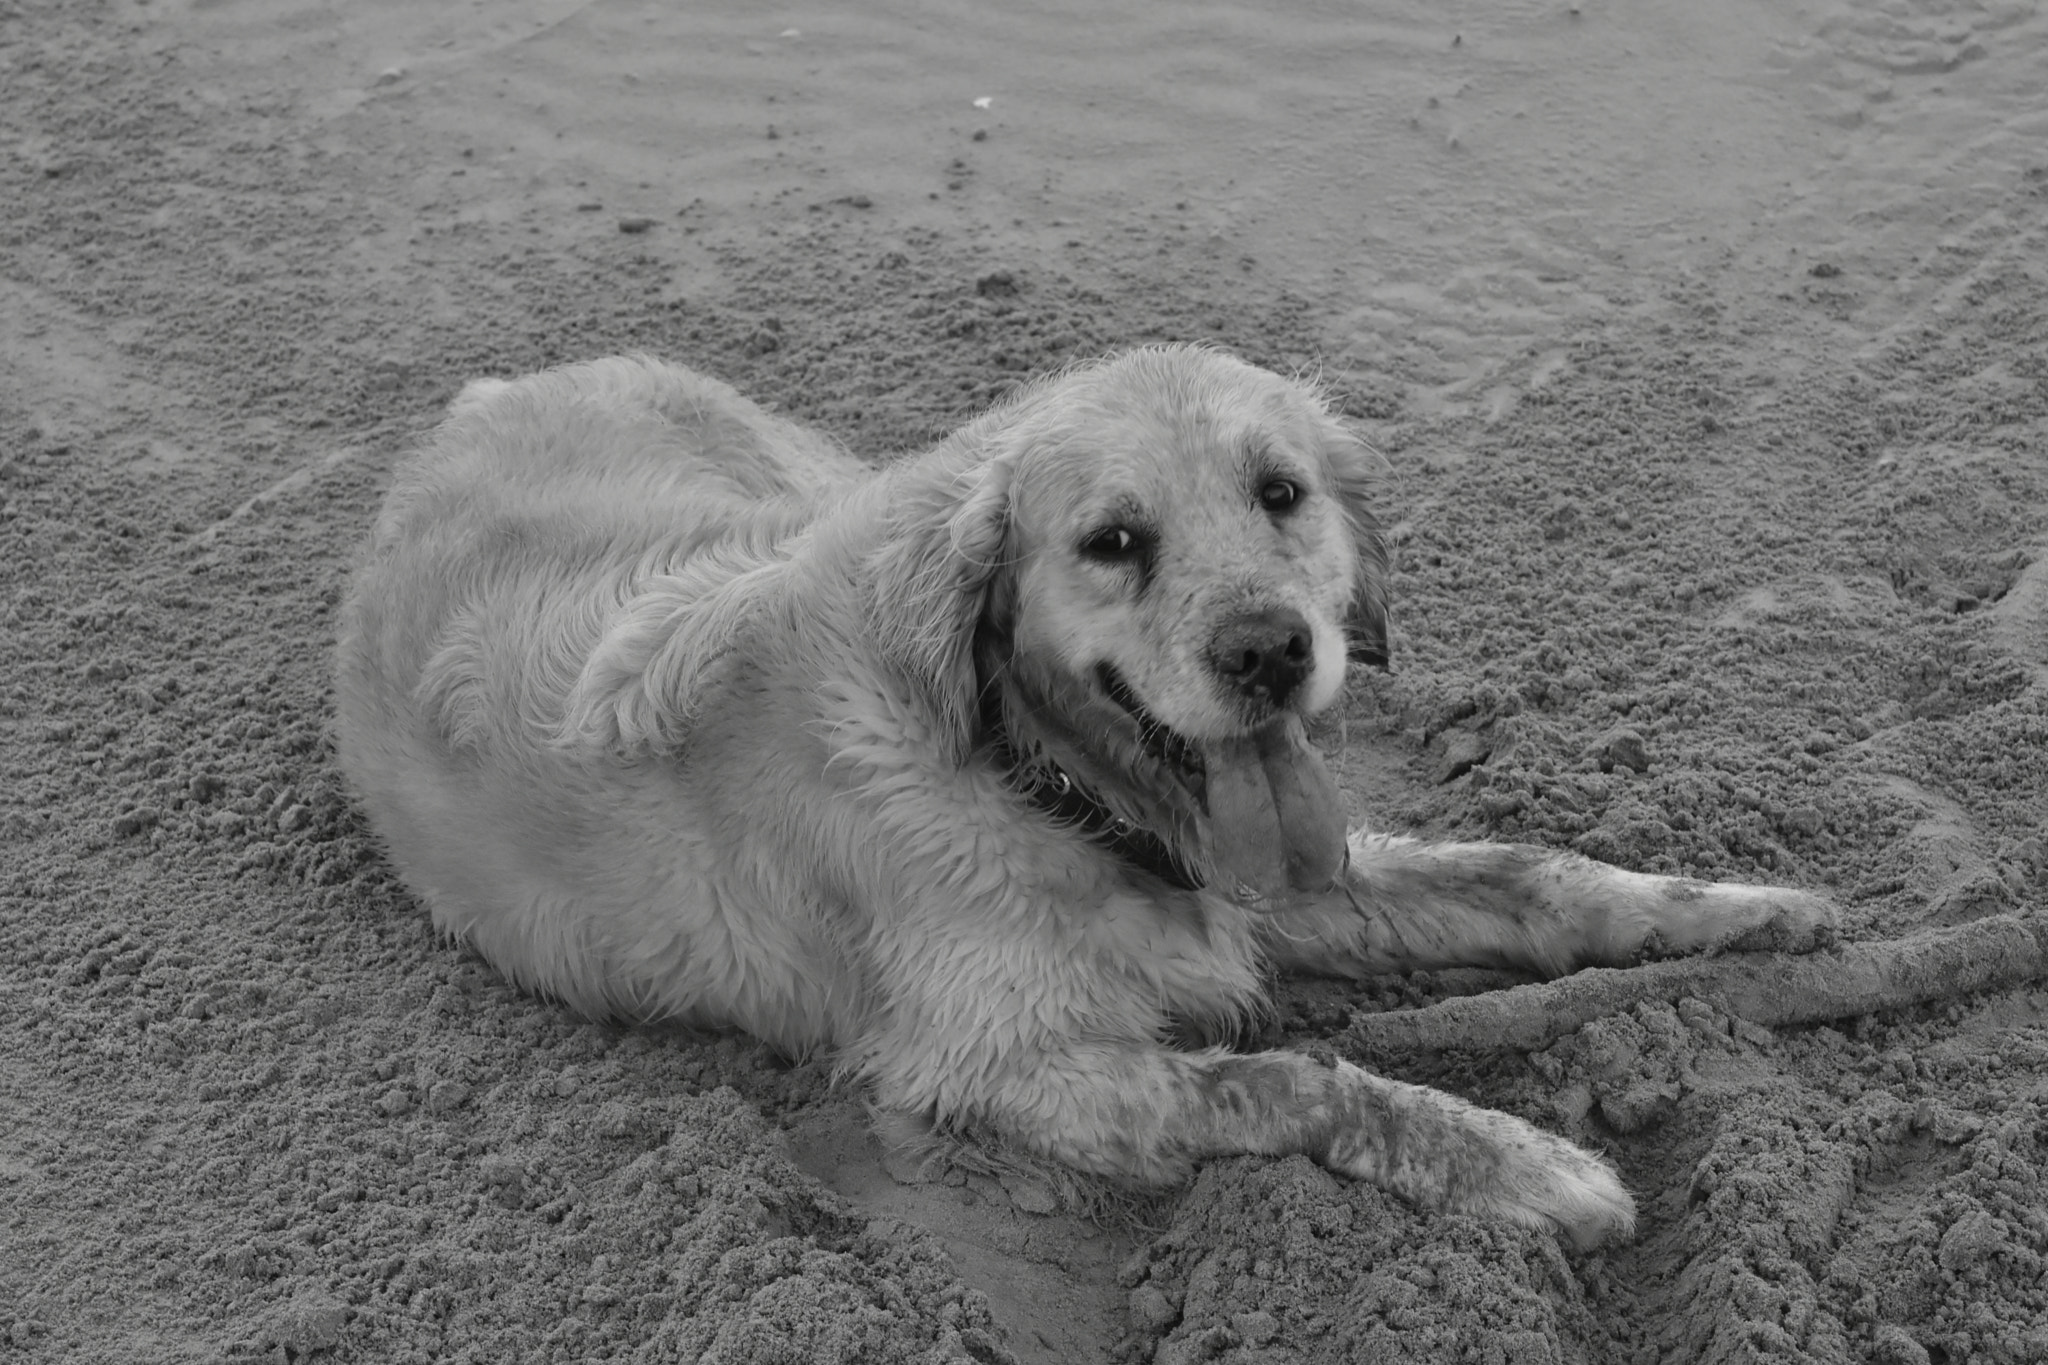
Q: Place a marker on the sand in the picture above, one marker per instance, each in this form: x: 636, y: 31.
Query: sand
x: 1710, y: 353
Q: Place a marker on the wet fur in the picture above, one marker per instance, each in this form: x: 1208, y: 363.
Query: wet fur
x: 673, y: 709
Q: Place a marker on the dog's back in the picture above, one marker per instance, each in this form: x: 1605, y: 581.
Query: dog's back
x: 504, y: 549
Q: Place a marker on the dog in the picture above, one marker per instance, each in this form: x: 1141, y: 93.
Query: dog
x: 978, y: 773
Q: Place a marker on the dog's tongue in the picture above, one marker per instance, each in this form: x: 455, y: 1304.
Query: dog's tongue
x: 1276, y: 823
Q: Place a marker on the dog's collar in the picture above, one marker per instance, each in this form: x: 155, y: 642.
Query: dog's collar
x: 1050, y: 788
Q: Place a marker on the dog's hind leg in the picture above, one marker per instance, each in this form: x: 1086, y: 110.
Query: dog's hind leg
x: 1406, y: 904
x: 1151, y: 1114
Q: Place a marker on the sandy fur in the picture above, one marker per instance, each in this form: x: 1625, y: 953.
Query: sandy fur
x: 673, y: 709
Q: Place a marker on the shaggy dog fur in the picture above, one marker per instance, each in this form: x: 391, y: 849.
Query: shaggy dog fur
x: 673, y: 709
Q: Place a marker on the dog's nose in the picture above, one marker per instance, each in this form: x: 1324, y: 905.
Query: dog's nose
x: 1265, y: 654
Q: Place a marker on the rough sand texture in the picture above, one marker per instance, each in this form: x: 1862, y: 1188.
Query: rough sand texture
x: 1732, y: 562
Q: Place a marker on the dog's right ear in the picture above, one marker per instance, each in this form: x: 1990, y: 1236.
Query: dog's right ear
x: 1359, y: 473
x: 929, y: 582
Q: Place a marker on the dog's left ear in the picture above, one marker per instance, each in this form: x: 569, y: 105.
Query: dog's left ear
x: 1357, y: 473
x: 930, y: 582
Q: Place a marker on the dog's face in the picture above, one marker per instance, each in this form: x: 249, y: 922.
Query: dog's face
x: 1174, y: 554
x: 1188, y: 540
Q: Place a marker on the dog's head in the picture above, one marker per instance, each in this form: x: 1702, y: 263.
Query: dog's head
x: 1152, y: 556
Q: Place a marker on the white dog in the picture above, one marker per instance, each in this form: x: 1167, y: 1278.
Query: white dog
x: 974, y: 773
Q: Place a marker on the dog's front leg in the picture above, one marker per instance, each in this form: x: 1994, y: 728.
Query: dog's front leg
x: 1149, y: 1114
x: 1406, y: 904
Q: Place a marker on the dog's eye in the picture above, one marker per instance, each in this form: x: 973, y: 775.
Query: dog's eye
x: 1278, y: 495
x: 1112, y: 542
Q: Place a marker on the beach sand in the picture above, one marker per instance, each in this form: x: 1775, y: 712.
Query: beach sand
x: 1709, y: 350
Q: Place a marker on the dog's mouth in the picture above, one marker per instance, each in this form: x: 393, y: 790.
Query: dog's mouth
x: 1256, y: 815
x: 1275, y: 821
x: 1179, y: 756
x: 1274, y: 815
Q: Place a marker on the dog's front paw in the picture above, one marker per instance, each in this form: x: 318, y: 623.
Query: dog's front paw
x: 1556, y: 1185
x: 1686, y: 916
x: 1443, y: 1152
x: 1786, y: 921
